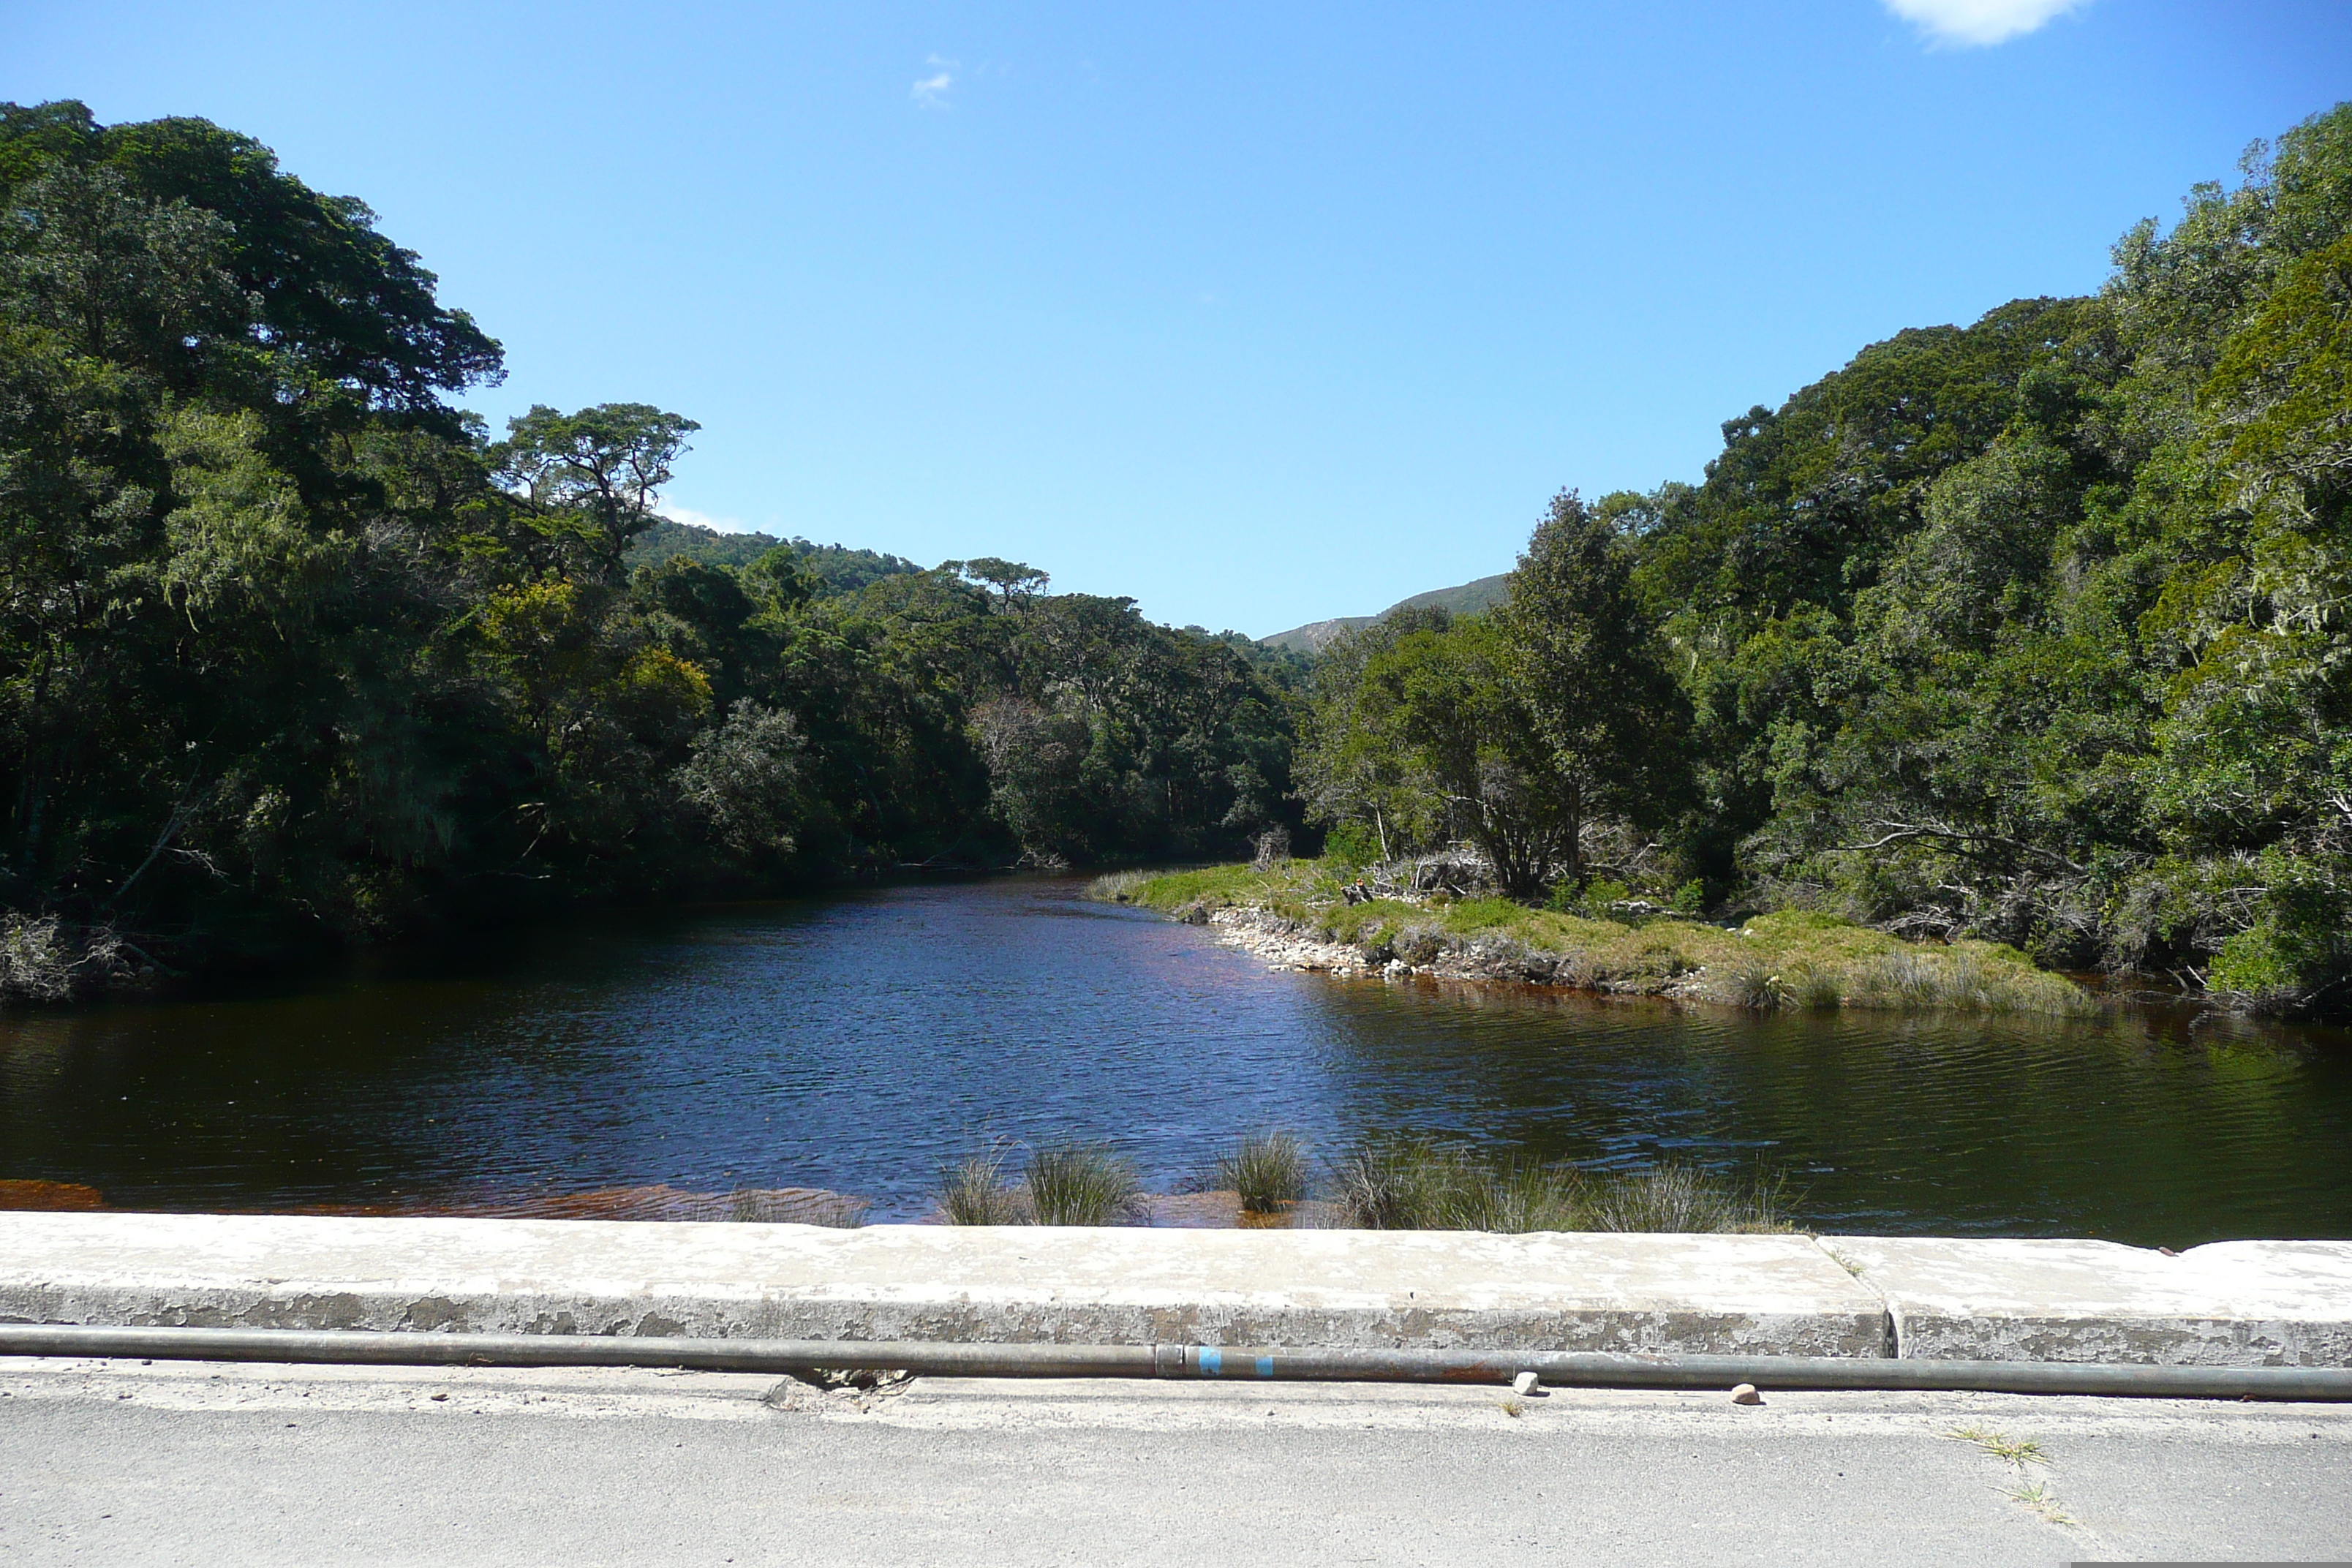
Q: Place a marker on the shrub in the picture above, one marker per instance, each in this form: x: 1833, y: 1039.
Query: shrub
x: 1420, y: 944
x: 1350, y: 846
x: 35, y: 963
x: 1602, y: 894
x: 1268, y: 1169
x: 2258, y: 971
x: 1081, y: 1183
x: 41, y: 960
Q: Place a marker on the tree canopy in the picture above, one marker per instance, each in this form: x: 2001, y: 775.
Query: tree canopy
x: 2032, y: 630
x: 293, y: 652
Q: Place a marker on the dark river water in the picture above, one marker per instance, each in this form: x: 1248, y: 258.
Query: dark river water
x: 857, y: 1042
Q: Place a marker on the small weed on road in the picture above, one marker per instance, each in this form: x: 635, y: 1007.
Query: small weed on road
x: 2018, y: 1451
x: 2035, y: 1495
x: 2029, y: 1491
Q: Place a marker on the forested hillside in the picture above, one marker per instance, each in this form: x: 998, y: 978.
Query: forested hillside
x: 2034, y: 630
x: 830, y: 568
x: 292, y: 651
x: 1463, y: 599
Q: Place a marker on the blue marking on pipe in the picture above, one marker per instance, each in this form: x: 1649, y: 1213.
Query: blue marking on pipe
x: 1212, y: 1361
x: 1266, y: 1366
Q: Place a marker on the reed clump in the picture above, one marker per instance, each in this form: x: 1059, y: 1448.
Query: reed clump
x: 1082, y: 1183
x: 973, y: 1191
x: 1681, y: 1198
x: 1118, y: 886
x: 841, y: 1211
x: 1755, y: 981
x: 1398, y: 1182
x: 1966, y: 977
x: 1413, y: 1182
x: 1963, y: 980
x: 1267, y: 1170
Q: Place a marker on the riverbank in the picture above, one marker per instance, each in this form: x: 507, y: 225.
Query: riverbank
x: 2242, y: 1304
x: 1300, y: 914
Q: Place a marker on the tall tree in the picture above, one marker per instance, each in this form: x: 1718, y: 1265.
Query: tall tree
x: 1452, y: 705
x: 1592, y: 671
x: 603, y: 466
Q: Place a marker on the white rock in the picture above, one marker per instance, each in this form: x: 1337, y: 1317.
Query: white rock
x: 1526, y: 1384
x: 1745, y: 1395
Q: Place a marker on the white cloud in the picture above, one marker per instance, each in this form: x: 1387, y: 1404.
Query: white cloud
x: 1979, y: 21
x: 701, y: 519
x: 931, y: 91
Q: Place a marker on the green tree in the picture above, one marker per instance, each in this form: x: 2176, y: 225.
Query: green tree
x: 1453, y: 705
x: 599, y: 470
x: 1588, y: 668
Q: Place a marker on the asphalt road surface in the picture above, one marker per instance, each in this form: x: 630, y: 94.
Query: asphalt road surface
x: 123, y: 1463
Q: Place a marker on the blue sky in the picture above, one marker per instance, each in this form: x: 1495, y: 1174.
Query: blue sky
x: 1257, y: 313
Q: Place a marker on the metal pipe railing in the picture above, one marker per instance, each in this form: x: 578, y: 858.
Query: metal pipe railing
x: 1564, y: 1369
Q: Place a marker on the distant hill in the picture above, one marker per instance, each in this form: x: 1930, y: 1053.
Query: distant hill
x: 841, y: 569
x: 708, y: 545
x: 1465, y: 600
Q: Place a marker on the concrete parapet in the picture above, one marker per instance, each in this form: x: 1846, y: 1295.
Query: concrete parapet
x: 2247, y: 1303
x: 1686, y: 1294
x: 2228, y: 1303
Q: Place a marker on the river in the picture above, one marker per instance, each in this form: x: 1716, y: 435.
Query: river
x: 856, y: 1042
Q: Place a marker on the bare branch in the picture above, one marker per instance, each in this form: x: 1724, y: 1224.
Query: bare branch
x: 1904, y: 832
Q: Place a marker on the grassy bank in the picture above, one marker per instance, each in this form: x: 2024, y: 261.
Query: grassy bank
x: 1791, y: 959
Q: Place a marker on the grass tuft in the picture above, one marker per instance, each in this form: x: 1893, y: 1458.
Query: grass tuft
x: 973, y: 1192
x: 1268, y: 1169
x: 1755, y: 981
x: 1411, y: 1182
x: 2036, y: 1496
x: 1119, y: 886
x: 2001, y: 1446
x: 1401, y: 1181
x: 839, y: 1210
x: 1679, y: 1197
x: 1082, y: 1183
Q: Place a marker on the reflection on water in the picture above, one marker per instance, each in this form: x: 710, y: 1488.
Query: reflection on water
x: 854, y: 1043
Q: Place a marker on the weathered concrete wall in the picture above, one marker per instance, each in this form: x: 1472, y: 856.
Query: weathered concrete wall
x: 2233, y: 1303
x: 1690, y: 1294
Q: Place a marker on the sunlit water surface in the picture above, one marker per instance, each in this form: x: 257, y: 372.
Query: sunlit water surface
x: 857, y: 1042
